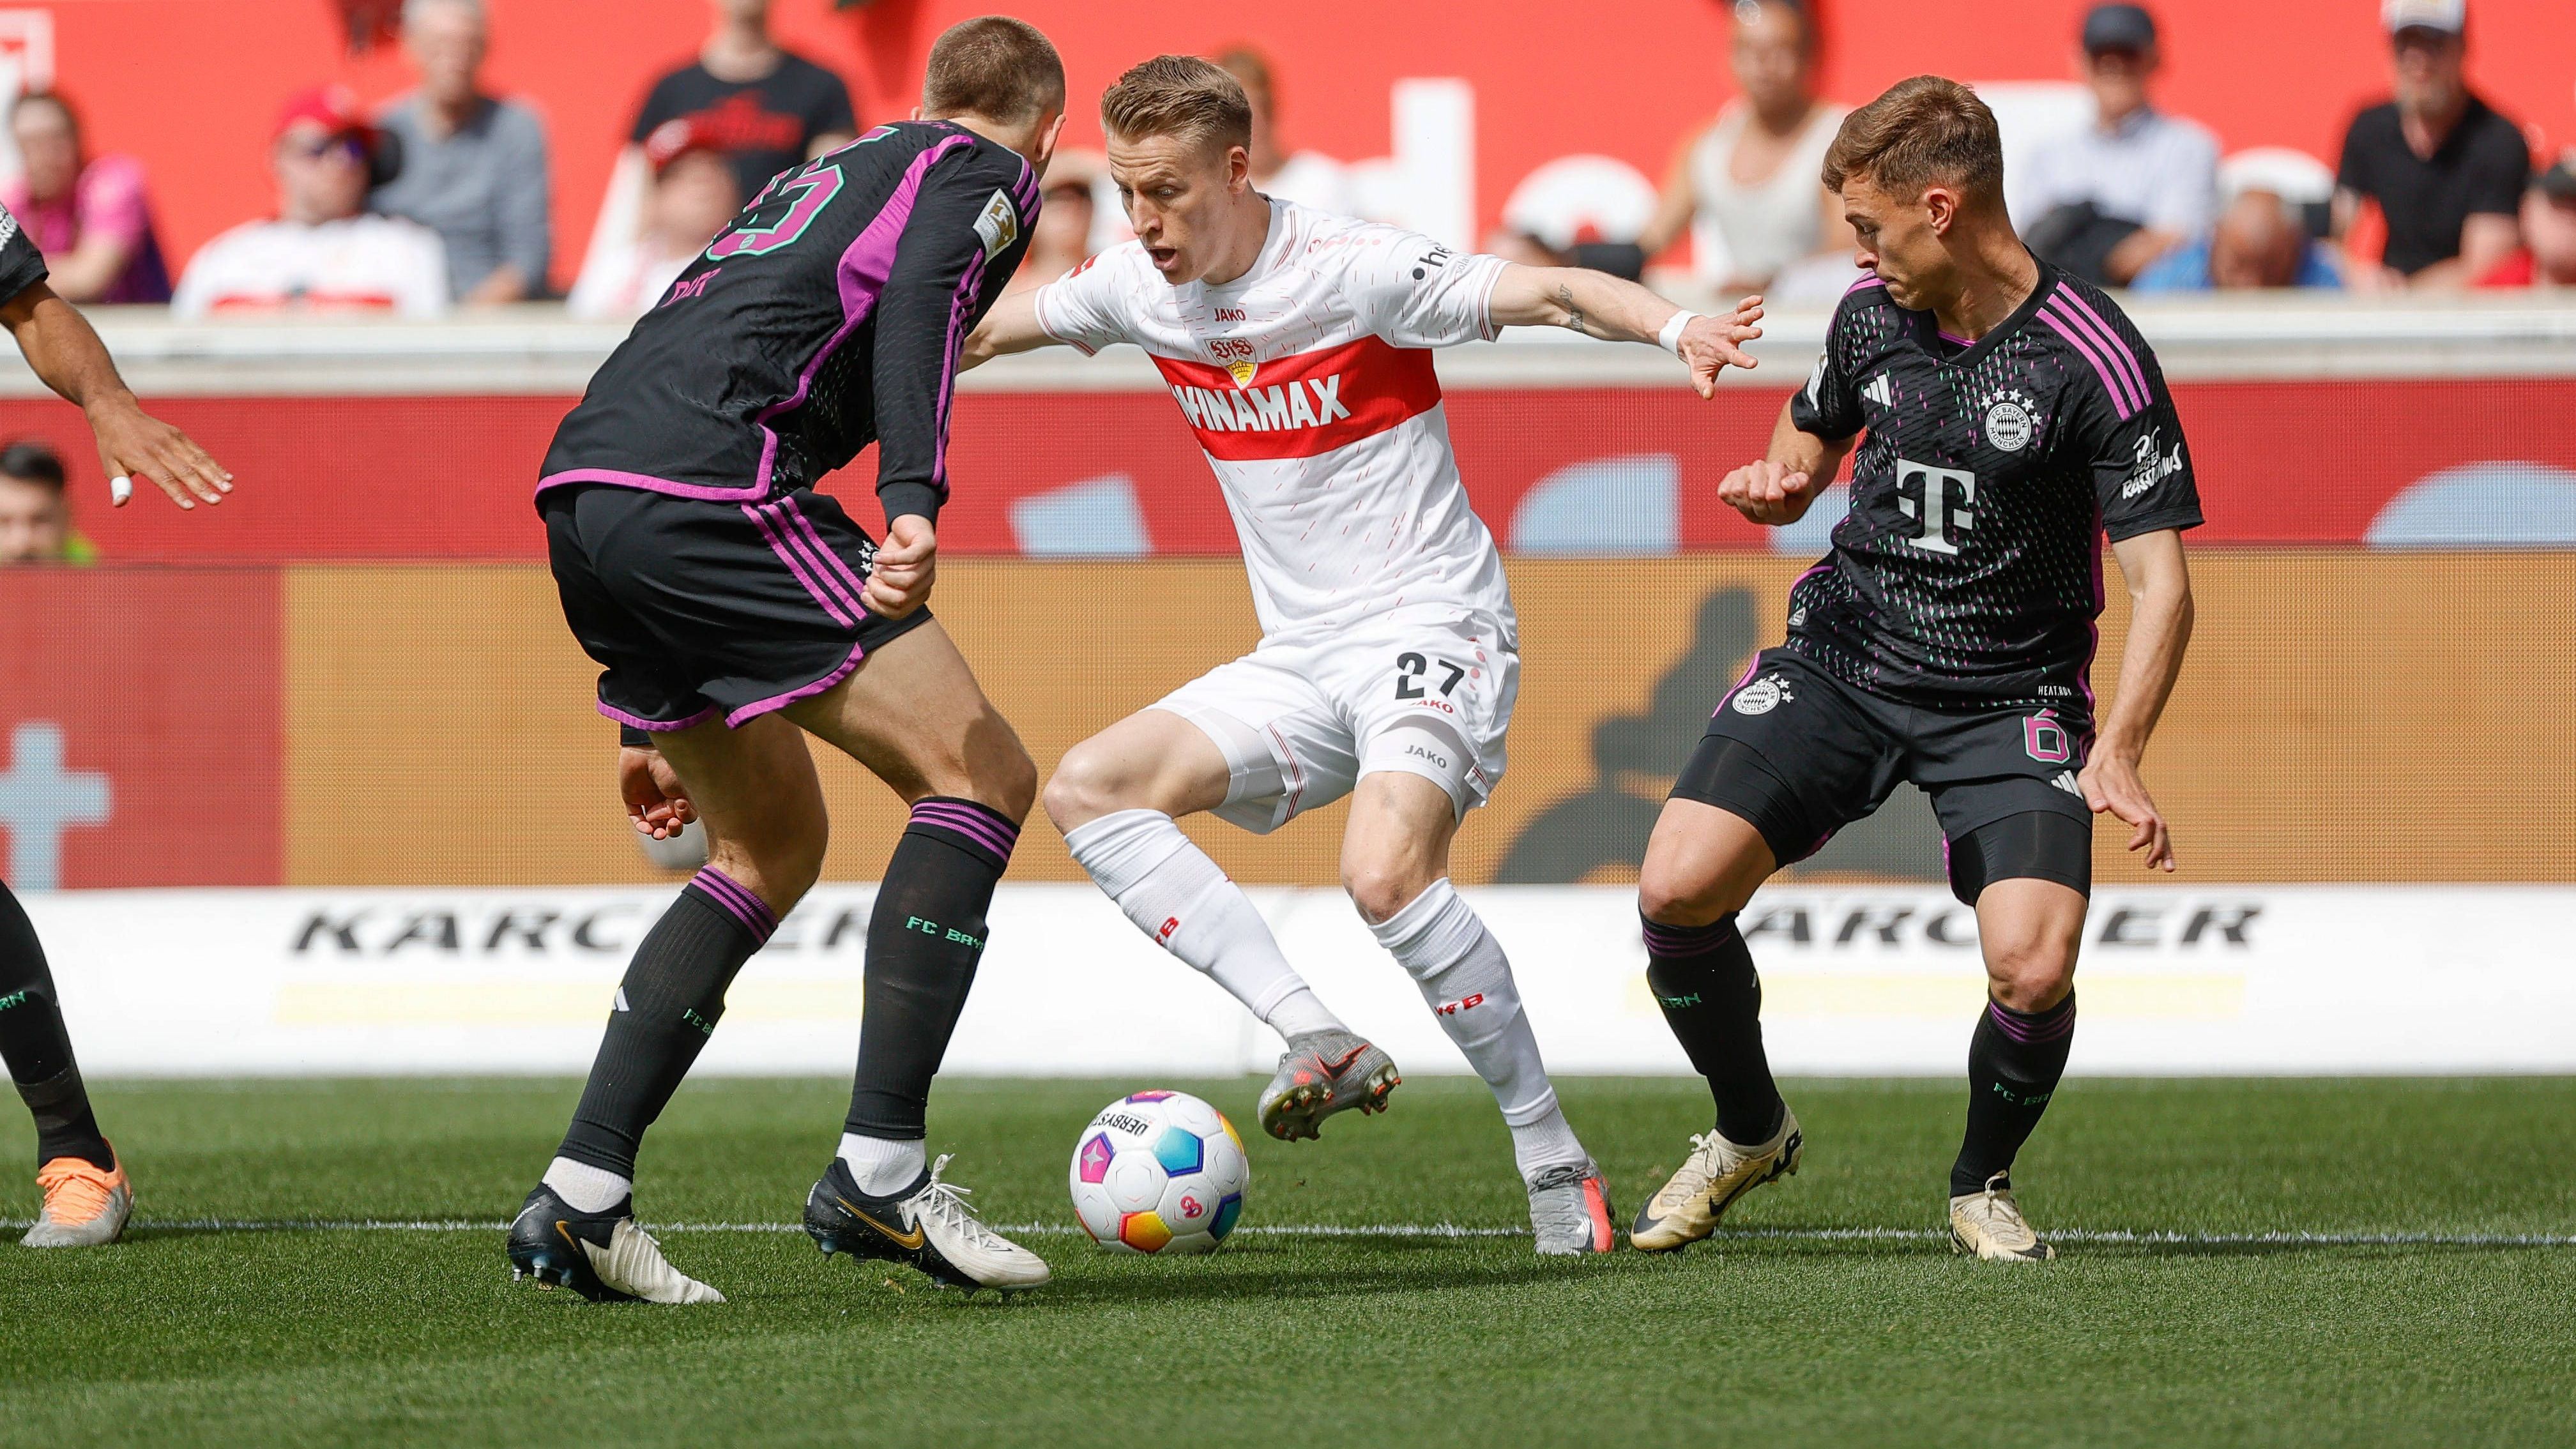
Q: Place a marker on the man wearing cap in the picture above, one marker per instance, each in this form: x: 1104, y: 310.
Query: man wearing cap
x: 2446, y: 170
x: 694, y: 194
x: 2548, y: 255
x: 2107, y: 200
x: 322, y: 252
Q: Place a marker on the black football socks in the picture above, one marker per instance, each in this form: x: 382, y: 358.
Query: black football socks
x: 39, y: 1050
x: 2014, y: 1061
x: 666, y: 1008
x: 1703, y: 978
x: 924, y: 940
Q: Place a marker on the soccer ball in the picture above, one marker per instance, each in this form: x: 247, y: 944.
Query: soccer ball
x: 1159, y: 1172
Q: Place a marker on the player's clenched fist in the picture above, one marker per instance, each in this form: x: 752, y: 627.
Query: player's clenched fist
x: 906, y: 563
x: 1768, y: 492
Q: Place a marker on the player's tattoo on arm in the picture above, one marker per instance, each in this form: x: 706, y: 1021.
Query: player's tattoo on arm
x: 1574, y: 318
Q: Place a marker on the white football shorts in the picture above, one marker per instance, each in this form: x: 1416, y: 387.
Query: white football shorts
x: 1301, y: 718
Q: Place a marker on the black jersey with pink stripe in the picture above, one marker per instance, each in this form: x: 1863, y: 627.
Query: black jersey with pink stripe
x: 1968, y: 572
x: 828, y: 316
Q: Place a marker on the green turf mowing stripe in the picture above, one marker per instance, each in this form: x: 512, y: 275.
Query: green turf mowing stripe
x: 2284, y: 1237
x: 2285, y: 1263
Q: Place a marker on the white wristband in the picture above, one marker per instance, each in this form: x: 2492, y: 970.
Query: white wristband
x: 1670, y: 339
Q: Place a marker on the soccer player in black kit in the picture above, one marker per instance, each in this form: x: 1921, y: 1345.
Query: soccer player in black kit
x: 2008, y: 418
x: 87, y: 1195
x: 734, y: 610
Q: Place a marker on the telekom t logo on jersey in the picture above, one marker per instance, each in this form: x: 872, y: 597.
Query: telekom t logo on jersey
x: 1938, y: 499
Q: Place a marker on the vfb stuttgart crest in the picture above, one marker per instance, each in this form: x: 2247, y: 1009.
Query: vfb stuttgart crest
x: 1235, y: 355
x: 2009, y: 424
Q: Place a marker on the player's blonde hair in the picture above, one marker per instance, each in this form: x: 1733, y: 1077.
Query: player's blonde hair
x: 1923, y: 131
x: 1181, y: 96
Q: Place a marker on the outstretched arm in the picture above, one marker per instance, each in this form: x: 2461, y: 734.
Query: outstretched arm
x: 1597, y: 304
x: 132, y: 443
x: 2159, y: 629
x: 1012, y: 326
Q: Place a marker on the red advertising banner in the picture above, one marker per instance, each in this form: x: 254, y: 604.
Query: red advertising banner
x: 139, y: 713
x: 1607, y: 470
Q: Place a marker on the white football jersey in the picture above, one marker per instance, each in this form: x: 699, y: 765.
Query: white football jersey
x: 358, y: 264
x: 1309, y: 382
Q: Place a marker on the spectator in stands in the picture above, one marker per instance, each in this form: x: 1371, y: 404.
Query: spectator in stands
x: 765, y: 108
x: 474, y: 166
x: 2108, y: 199
x: 2548, y: 254
x: 322, y: 252
x: 2260, y: 241
x: 2446, y: 170
x: 1063, y: 238
x: 1749, y: 179
x: 35, y: 514
x: 90, y: 215
x: 1307, y: 177
x: 694, y: 195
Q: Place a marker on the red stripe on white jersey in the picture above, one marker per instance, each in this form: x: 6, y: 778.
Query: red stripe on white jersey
x: 1298, y: 407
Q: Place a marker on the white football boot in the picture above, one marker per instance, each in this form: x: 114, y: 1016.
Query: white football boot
x: 1716, y: 1173
x: 1989, y: 1225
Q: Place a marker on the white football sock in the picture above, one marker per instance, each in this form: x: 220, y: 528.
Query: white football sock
x: 1175, y: 894
x: 1467, y: 981
x: 588, y: 1189
x: 880, y: 1166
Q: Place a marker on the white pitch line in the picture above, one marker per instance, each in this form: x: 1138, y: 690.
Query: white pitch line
x: 2284, y: 1238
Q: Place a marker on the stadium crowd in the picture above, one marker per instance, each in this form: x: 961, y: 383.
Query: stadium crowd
x: 439, y: 199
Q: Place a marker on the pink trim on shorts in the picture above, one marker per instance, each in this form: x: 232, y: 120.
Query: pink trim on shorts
x: 650, y: 484
x: 839, y: 672
x: 656, y: 726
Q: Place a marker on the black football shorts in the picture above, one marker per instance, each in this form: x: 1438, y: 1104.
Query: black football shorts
x: 1800, y: 754
x: 698, y: 609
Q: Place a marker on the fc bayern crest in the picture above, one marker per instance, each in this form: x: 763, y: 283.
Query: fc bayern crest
x: 1763, y: 695
x: 2008, y: 424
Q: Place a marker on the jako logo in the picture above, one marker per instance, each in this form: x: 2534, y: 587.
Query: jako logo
x: 1452, y: 1008
x: 1229, y: 314
x: 1169, y: 926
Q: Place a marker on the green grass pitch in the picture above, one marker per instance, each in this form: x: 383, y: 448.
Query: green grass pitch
x: 2372, y: 1262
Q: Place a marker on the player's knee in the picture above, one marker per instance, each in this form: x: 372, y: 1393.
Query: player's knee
x: 1682, y: 888
x: 1674, y: 897
x: 1087, y: 784
x: 1382, y: 888
x: 2029, y: 973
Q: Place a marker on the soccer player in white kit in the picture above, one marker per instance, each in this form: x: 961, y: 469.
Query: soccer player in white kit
x: 1297, y: 345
